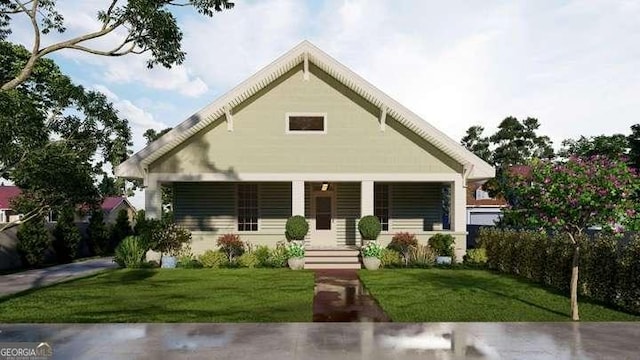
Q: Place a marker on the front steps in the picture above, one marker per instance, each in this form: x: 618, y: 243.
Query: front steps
x: 332, y: 258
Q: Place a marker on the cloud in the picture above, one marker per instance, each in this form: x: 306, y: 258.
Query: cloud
x: 139, y: 119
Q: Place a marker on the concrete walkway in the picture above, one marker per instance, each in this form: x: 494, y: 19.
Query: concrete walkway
x: 341, y: 297
x: 31, y: 279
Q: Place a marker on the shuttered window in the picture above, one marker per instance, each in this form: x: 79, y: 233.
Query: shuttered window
x: 381, y: 204
x: 247, y: 207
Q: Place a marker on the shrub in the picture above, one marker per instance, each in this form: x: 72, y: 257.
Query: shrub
x: 248, y: 260
x: 121, y: 229
x: 98, y: 233
x: 629, y: 281
x: 33, y: 242
x: 140, y: 222
x: 164, y: 236
x: 296, y: 228
x: 475, y: 257
x: 231, y: 245
x: 390, y: 258
x: 66, y: 236
x: 402, y: 242
x: 278, y: 256
x: 186, y: 260
x: 295, y: 250
x: 262, y: 254
x: 369, y: 227
x: 372, y: 249
x: 130, y: 253
x: 421, y: 256
x: 213, y: 259
x: 442, y: 244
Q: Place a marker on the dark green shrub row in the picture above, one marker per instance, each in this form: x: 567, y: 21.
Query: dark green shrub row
x: 609, y: 267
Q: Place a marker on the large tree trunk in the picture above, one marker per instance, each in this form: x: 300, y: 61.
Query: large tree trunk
x: 574, y: 283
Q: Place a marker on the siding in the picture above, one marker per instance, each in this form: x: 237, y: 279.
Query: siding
x: 259, y: 143
x: 211, y: 207
x: 415, y: 206
x: 348, y: 213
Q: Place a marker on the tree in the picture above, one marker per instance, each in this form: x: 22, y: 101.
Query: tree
x: 66, y: 236
x: 612, y: 146
x: 478, y: 144
x: 98, y: 233
x: 143, y: 26
x: 121, y: 229
x: 57, y: 136
x: 566, y: 197
x: 634, y: 146
x: 33, y: 242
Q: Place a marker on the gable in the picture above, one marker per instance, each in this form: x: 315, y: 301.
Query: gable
x: 306, y: 58
x: 259, y: 142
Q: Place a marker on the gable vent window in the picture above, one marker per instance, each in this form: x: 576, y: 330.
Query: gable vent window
x: 247, y: 207
x: 306, y: 123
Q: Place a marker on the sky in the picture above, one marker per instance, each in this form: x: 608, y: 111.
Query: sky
x: 574, y: 65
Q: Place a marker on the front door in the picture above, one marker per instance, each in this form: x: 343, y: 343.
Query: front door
x: 323, y: 226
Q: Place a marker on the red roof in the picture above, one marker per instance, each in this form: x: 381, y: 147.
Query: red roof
x: 6, y: 194
x: 472, y: 201
x: 109, y: 203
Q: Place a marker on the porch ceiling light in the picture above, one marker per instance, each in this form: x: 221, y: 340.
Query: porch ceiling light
x: 325, y: 186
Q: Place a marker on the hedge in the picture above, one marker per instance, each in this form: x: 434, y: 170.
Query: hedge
x: 609, y: 267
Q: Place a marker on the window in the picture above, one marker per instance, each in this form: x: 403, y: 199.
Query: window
x: 306, y: 123
x: 381, y: 204
x: 247, y: 207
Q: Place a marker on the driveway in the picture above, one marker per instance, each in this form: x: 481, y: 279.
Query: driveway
x: 31, y: 279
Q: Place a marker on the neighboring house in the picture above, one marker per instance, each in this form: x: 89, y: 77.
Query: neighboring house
x: 110, y: 206
x: 7, y: 193
x: 482, y: 209
x: 307, y: 136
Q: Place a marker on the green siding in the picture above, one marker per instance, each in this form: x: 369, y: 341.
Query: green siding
x: 258, y: 143
x: 211, y: 207
x: 415, y: 206
x: 348, y: 213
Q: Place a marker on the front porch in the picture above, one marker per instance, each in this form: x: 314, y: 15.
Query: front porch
x: 257, y: 210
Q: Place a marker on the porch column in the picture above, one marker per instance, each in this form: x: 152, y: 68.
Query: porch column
x: 458, y: 210
x: 366, y: 198
x: 153, y: 200
x: 297, y: 198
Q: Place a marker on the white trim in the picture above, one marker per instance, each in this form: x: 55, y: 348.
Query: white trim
x: 383, y: 118
x: 258, y: 204
x: 305, y: 132
x: 198, y: 121
x: 317, y: 177
x: 297, y: 198
x: 229, y: 118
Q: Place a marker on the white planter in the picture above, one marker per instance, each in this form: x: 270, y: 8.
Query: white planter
x: 296, y: 263
x: 443, y: 260
x: 371, y: 263
x: 169, y: 262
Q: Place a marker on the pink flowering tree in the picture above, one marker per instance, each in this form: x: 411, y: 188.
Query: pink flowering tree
x: 570, y: 196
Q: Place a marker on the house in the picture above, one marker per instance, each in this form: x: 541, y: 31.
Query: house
x: 110, y: 206
x: 483, y: 209
x: 7, y: 193
x: 306, y: 136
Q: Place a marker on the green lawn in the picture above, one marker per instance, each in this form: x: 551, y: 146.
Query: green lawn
x: 161, y: 295
x: 417, y: 295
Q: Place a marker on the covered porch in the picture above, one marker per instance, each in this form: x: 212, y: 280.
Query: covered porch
x: 257, y: 207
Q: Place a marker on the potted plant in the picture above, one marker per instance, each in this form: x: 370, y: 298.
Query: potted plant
x: 296, y: 229
x: 295, y: 256
x: 369, y: 227
x: 371, y: 254
x: 443, y: 246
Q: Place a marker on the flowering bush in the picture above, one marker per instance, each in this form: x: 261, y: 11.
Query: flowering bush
x: 231, y: 245
x: 295, y: 250
x: 402, y: 243
x: 372, y: 249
